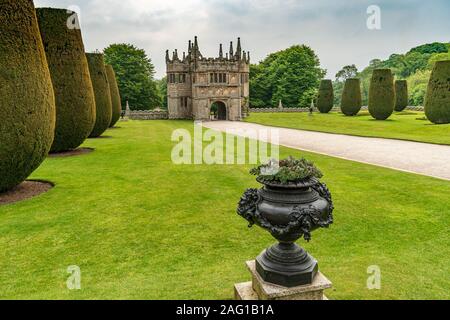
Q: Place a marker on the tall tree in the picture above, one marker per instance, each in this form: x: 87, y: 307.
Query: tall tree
x: 435, y: 47
x: 162, y: 88
x: 258, y: 93
x: 289, y: 75
x: 347, y: 72
x: 135, y: 76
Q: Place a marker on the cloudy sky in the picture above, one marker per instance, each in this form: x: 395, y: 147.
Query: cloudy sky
x: 336, y: 30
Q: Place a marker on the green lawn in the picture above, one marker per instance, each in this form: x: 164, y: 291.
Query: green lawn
x: 142, y: 228
x: 405, y: 125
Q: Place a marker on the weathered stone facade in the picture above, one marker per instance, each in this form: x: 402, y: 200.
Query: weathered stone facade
x: 196, y: 83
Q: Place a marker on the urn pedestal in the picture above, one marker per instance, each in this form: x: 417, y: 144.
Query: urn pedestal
x: 258, y: 289
x: 287, y: 264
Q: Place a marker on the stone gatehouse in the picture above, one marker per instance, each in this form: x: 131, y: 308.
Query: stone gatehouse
x: 198, y: 86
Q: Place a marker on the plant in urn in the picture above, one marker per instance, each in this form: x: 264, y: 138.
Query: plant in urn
x: 291, y: 205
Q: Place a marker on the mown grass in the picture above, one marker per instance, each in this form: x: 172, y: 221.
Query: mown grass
x: 407, y: 125
x: 140, y: 227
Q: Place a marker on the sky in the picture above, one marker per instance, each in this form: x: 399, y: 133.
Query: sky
x: 336, y: 30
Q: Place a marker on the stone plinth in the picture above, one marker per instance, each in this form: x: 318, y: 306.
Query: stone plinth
x: 244, y: 291
x: 258, y: 289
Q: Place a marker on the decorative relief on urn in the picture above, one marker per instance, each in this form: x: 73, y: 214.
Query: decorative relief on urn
x: 291, y: 205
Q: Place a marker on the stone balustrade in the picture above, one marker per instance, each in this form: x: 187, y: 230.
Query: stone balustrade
x: 148, y: 115
x: 335, y: 109
x: 159, y: 114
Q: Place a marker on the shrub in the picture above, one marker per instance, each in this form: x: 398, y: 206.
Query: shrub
x: 75, y: 103
x: 27, y: 103
x: 325, y: 97
x: 437, y: 100
x: 417, y: 87
x: 115, y: 95
x: 381, y: 94
x: 101, y: 92
x: 401, y: 95
x: 287, y: 171
x: 351, y: 101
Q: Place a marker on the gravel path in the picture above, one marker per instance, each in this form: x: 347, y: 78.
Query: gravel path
x: 421, y: 158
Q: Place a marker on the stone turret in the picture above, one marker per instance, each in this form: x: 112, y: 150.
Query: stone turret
x: 238, y: 50
x: 167, y: 56
x: 231, y: 49
x: 175, y: 55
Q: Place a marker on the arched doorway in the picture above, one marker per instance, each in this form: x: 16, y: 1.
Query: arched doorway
x: 219, y: 110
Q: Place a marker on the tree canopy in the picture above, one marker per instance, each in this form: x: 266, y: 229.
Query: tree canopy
x: 135, y: 76
x: 345, y: 73
x: 162, y: 88
x: 292, y: 76
x: 415, y: 66
x: 435, y: 47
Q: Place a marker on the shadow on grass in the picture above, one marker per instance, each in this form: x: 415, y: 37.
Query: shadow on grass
x: 102, y: 137
x: 387, y: 120
x: 71, y: 153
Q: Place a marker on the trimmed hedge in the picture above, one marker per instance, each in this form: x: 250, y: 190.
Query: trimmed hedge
x: 103, y: 102
x: 351, y: 101
x: 325, y: 97
x: 381, y: 94
x: 27, y: 103
x: 437, y: 100
x: 401, y: 95
x: 74, y: 94
x: 115, y: 95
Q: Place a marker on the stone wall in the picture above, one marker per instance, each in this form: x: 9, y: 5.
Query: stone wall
x: 148, y: 115
x: 164, y: 115
x: 335, y: 109
x: 272, y: 110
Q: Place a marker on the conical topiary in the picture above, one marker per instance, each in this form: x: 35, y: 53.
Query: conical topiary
x: 75, y: 103
x: 437, y: 100
x: 103, y: 102
x: 401, y: 95
x: 115, y: 95
x: 325, y: 97
x: 27, y: 102
x: 381, y: 94
x: 351, y: 101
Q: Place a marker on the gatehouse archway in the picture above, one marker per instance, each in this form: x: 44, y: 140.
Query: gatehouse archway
x: 219, y: 110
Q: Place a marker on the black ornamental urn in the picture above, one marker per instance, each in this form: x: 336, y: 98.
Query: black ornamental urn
x: 291, y: 205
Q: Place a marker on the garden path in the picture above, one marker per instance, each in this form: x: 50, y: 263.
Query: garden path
x: 415, y: 157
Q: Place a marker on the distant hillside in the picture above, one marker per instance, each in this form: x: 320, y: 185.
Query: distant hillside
x: 415, y: 66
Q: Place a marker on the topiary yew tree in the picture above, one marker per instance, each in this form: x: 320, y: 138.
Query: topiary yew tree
x: 75, y: 103
x: 115, y: 95
x: 101, y: 92
x: 381, y: 94
x: 27, y: 102
x: 325, y: 98
x: 437, y: 100
x: 401, y: 95
x: 351, y: 101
